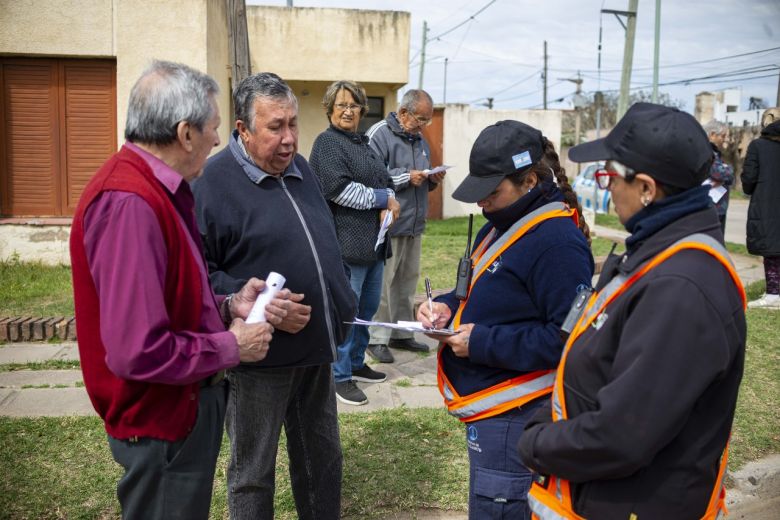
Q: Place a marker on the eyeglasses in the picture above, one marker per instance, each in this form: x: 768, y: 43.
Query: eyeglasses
x: 422, y: 121
x: 344, y: 107
x: 604, y: 178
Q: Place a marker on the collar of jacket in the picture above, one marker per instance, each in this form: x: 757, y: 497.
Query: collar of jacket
x: 395, y: 126
x: 252, y: 170
x: 355, y: 137
x: 772, y: 130
x: 702, y: 221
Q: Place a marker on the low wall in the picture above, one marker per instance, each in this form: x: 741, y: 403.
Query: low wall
x: 32, y: 241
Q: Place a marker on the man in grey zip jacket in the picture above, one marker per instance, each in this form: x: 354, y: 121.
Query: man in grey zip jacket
x: 398, y: 141
x: 260, y: 208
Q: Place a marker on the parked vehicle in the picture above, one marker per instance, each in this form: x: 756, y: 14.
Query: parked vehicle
x: 585, y: 186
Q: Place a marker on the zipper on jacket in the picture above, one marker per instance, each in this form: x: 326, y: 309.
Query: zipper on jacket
x: 320, y: 274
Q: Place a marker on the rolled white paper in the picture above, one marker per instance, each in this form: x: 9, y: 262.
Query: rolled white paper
x: 273, y: 284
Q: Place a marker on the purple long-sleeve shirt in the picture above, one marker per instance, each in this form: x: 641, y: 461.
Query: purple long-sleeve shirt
x: 127, y: 258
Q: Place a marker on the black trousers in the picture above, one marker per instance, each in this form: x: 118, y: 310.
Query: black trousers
x: 169, y: 480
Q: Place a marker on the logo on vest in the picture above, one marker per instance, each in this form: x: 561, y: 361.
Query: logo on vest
x: 494, y: 266
x: 600, y: 321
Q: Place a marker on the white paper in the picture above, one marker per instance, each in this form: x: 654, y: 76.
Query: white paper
x: 383, y: 229
x: 438, y: 169
x: 273, y: 284
x: 716, y: 192
x: 409, y: 326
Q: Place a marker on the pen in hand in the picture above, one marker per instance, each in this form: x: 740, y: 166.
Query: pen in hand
x: 430, y: 298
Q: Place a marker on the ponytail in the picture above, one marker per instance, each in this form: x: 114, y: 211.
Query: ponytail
x: 551, y: 162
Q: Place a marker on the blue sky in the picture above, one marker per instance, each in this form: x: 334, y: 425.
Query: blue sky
x: 499, y: 52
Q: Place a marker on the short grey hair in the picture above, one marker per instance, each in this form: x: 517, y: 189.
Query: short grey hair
x: 166, y: 94
x: 716, y: 127
x: 262, y: 84
x: 354, y: 88
x: 414, y: 97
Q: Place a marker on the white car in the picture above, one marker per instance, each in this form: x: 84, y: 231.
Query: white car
x: 585, y: 186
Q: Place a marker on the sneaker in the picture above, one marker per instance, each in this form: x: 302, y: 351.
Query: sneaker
x: 348, y: 393
x: 767, y: 301
x: 368, y: 375
x: 408, y: 344
x: 380, y: 353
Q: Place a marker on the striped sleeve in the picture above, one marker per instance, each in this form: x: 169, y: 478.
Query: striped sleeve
x: 360, y: 196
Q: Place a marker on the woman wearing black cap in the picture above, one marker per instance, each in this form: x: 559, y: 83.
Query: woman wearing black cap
x: 529, y: 262
x: 645, y: 393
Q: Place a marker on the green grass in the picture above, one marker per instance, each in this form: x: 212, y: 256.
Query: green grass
x: 50, y: 364
x: 394, y: 460
x: 609, y: 220
x: 35, y: 289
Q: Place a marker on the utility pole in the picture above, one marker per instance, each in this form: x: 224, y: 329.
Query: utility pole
x: 444, y: 100
x: 238, y: 41
x: 544, y: 74
x: 628, y: 57
x: 777, y: 103
x: 657, y: 45
x: 422, y: 54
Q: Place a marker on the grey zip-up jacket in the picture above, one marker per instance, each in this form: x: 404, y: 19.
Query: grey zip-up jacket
x: 252, y: 223
x: 401, y: 153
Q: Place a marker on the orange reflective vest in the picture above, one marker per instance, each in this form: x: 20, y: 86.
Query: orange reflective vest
x: 517, y: 391
x: 551, y: 500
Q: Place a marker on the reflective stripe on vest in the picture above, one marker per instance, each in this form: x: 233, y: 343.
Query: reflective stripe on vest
x: 517, y: 391
x: 549, y: 505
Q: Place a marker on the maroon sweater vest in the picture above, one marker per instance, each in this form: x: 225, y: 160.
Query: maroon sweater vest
x: 135, y: 408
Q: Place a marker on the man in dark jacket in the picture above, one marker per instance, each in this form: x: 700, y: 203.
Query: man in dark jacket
x: 761, y: 180
x: 398, y: 141
x: 260, y: 209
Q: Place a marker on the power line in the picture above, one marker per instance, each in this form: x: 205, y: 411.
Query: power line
x: 467, y: 20
x: 699, y: 62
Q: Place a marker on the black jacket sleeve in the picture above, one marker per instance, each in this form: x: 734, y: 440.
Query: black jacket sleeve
x: 749, y: 175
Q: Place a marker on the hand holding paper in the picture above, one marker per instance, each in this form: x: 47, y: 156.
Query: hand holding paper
x: 438, y: 169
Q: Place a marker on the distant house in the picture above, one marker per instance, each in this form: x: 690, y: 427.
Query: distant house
x: 66, y: 69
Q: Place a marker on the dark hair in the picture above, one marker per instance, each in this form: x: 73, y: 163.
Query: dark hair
x: 545, y: 168
x: 260, y: 85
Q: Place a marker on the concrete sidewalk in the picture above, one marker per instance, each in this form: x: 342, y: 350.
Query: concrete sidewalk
x: 411, y: 382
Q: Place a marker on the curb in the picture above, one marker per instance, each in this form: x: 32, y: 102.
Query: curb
x: 29, y: 328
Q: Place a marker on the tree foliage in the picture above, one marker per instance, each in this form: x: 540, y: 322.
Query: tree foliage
x: 609, y: 105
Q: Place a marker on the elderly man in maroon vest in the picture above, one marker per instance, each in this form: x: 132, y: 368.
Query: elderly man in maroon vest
x: 152, y: 335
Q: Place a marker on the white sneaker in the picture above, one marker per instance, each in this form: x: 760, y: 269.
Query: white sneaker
x: 767, y: 301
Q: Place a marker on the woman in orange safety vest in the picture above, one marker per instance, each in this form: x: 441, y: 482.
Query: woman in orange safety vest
x: 528, y: 262
x: 644, y: 397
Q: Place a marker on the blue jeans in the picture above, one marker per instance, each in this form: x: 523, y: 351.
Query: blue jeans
x: 366, y: 282
x: 498, y: 481
x: 302, y: 399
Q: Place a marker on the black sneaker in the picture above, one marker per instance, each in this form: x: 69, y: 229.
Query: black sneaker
x: 408, y: 344
x: 380, y: 353
x: 348, y: 393
x: 368, y: 375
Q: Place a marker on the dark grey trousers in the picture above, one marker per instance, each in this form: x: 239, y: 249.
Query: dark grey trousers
x: 169, y: 480
x: 304, y: 401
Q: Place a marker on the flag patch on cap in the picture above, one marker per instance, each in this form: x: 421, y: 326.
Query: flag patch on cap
x: 522, y: 159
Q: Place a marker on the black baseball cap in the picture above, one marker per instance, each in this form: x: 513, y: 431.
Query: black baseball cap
x: 501, y: 149
x: 667, y: 144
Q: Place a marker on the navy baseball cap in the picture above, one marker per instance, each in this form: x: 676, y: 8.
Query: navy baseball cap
x: 667, y: 144
x: 501, y: 149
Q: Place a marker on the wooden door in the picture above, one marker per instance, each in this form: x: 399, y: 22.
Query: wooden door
x: 434, y: 135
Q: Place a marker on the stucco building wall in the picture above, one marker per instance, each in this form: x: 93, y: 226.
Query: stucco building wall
x: 462, y: 125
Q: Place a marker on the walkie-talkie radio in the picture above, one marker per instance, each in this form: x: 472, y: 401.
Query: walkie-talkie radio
x: 464, y: 269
